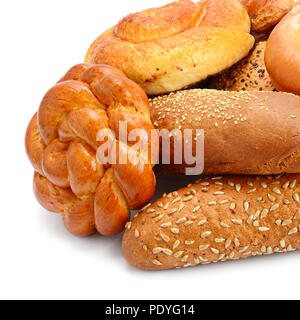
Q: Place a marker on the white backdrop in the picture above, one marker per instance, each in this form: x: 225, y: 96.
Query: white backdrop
x: 40, y: 40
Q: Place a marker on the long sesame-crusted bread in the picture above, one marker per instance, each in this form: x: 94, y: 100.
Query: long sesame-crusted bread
x: 216, y: 219
x: 245, y: 132
x: 250, y: 74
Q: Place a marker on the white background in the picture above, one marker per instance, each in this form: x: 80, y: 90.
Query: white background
x: 39, y: 259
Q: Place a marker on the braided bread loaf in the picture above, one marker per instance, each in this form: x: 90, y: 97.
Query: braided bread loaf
x: 61, y: 143
x: 165, y: 49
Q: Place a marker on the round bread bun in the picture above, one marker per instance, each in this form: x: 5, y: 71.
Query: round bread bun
x: 282, y: 55
x: 168, y: 48
x: 250, y: 74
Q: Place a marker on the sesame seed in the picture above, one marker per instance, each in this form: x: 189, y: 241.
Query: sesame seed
x: 218, y: 183
x: 263, y: 249
x: 181, y: 206
x: 224, y: 202
x: 204, y: 184
x: 297, y: 215
x: 176, y: 200
x: 264, y: 213
x: 196, y: 209
x: 178, y: 254
x: 243, y: 249
x: 217, y: 193
x: 215, y: 250
x: 172, y: 211
x: 176, y: 244
x: 263, y: 229
x: 188, y: 198
x: 174, y: 230
x: 232, y: 206
x: 256, y: 223
x: 156, y: 250
x: 136, y: 233
x: 246, y: 206
x: 182, y: 220
x: 146, y: 207
x: 257, y: 214
x: 166, y: 225
x: 227, y: 243
x: 293, y: 184
x: 278, y: 222
x: 187, y: 242
x: 188, y: 223
x: 185, y: 258
x: 166, y: 251
x: 212, y: 203
x: 271, y: 198
x: 164, y: 237
x: 286, y: 185
x: 205, y: 234
x: 269, y: 250
x: 224, y: 225
x: 264, y: 185
x: 237, y: 221
x: 150, y: 210
x: 202, y: 222
x: 250, y: 219
x: 156, y: 262
x: 238, y: 187
x: 293, y: 231
x: 203, y: 247
x: 296, y: 197
x: 286, y: 222
x: 282, y: 244
x: 236, y: 242
x: 202, y: 259
x: 274, y: 207
x: 276, y: 191
x: 219, y: 240
x: 128, y: 225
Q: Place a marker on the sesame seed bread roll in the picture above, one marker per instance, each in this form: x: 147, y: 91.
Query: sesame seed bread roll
x: 250, y: 74
x: 244, y: 132
x: 216, y: 219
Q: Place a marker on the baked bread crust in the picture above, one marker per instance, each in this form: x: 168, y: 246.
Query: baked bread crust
x: 265, y: 14
x: 165, y: 49
x: 244, y: 132
x: 61, y: 143
x: 282, y: 53
x: 250, y: 74
x: 216, y: 219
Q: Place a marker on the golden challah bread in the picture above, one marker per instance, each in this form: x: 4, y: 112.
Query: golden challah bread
x: 165, y: 49
x: 62, y: 143
x: 265, y: 14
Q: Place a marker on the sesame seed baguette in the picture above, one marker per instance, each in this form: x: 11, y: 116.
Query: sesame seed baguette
x: 216, y: 219
x: 245, y: 132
